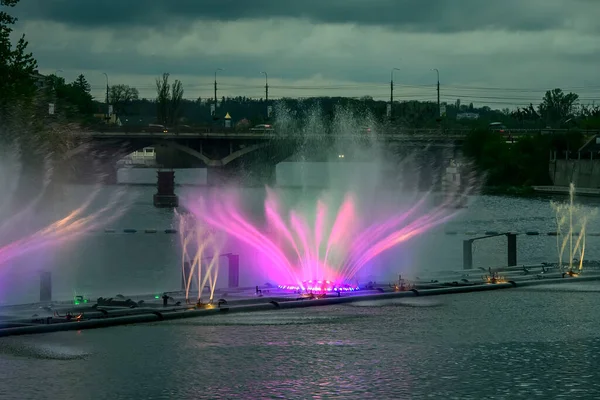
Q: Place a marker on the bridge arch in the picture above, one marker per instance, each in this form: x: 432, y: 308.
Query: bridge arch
x: 134, y: 145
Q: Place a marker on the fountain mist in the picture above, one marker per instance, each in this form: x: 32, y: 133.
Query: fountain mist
x: 323, y: 244
x: 22, y: 227
x: 571, y: 223
x: 196, y: 243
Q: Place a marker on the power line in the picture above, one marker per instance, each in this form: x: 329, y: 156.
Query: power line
x: 371, y: 86
x: 520, y: 97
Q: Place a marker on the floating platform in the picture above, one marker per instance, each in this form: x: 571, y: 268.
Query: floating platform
x: 67, y: 316
x: 565, y: 190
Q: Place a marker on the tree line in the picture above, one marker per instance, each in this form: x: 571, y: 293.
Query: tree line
x: 170, y: 108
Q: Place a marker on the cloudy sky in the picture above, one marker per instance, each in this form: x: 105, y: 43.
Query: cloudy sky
x: 500, y: 53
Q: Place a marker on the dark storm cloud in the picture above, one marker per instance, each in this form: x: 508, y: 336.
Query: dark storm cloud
x: 405, y: 15
x: 248, y: 65
x: 245, y: 65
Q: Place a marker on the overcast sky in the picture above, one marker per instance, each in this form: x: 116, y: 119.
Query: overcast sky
x: 501, y: 53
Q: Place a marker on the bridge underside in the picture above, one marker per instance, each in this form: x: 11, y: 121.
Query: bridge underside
x: 408, y: 165
x: 250, y: 162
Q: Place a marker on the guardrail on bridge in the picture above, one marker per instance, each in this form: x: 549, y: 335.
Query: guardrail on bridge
x: 203, y: 130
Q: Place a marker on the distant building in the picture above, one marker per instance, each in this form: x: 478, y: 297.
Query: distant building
x: 467, y: 116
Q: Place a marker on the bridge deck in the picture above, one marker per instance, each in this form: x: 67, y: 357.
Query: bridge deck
x: 396, y: 135
x: 263, y: 136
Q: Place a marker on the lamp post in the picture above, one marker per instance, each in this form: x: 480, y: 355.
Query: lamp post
x: 266, y: 91
x: 392, y: 89
x: 266, y: 85
x: 217, y: 70
x: 52, y: 106
x: 438, y: 90
x: 107, y: 105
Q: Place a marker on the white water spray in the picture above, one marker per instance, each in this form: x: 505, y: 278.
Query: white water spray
x: 571, y: 224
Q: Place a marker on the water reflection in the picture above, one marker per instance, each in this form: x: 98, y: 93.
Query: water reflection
x: 499, y: 345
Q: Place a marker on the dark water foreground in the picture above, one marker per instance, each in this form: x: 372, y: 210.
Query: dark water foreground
x: 541, y: 342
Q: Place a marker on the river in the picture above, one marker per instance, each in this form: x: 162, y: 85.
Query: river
x: 537, y: 343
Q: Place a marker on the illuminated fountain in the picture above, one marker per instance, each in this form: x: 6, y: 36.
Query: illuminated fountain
x: 324, y: 253
x: 200, y: 252
x: 322, y: 244
x: 571, y: 223
x: 21, y: 232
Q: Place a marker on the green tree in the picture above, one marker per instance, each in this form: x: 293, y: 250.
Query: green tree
x: 590, y: 117
x: 82, y: 84
x: 557, y: 106
x: 121, y: 97
x: 17, y: 66
x: 176, y: 98
x: 78, y: 94
x: 163, y: 96
x: 169, y: 100
x: 72, y: 101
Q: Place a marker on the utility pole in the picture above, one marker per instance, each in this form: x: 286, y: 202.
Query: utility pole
x: 438, y: 91
x: 392, y: 90
x: 52, y: 106
x: 107, y: 105
x: 216, y: 101
x: 266, y: 86
x: 266, y: 91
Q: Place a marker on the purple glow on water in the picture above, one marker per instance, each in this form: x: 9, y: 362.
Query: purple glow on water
x: 320, y: 287
x: 328, y: 243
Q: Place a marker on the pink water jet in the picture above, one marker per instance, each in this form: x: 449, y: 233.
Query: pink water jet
x: 325, y: 252
x: 71, y: 227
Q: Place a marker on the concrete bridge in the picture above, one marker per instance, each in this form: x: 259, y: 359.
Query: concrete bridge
x: 224, y: 151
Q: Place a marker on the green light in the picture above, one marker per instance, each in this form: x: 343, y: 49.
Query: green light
x: 157, y: 297
x: 78, y: 300
x: 85, y: 301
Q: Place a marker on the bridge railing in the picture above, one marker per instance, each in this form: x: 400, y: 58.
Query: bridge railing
x: 221, y: 129
x: 137, y: 129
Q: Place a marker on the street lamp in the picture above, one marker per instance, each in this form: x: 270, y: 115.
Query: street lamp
x: 438, y: 89
x: 107, y: 106
x: 392, y: 89
x: 217, y: 70
x: 266, y: 91
x: 266, y: 86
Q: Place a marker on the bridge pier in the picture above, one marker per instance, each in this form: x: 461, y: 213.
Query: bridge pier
x: 165, y: 196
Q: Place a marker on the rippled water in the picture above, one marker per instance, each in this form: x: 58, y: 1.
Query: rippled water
x: 497, y: 345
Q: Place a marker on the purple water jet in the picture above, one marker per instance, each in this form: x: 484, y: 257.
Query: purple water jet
x: 326, y: 251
